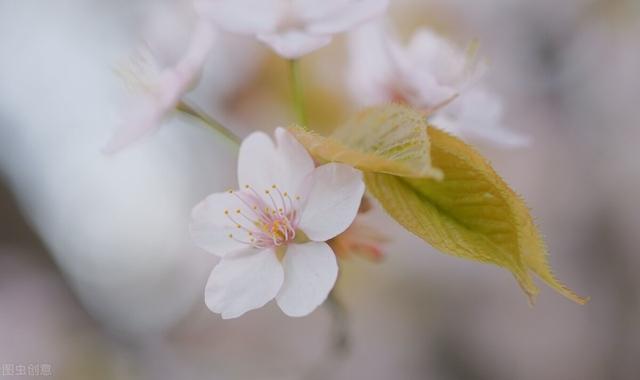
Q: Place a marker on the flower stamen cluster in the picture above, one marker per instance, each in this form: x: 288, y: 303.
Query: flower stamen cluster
x: 268, y: 224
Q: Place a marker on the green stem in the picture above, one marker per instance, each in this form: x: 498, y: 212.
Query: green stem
x: 339, y: 325
x: 209, y: 121
x: 297, y: 92
x: 338, y: 348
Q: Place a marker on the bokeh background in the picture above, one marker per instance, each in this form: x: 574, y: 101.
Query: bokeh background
x: 98, y: 278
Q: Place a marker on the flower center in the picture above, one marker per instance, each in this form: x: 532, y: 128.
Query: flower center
x: 267, y: 221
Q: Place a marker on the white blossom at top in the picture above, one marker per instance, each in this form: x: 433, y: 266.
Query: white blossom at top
x: 271, y: 233
x: 428, y: 73
x: 292, y: 28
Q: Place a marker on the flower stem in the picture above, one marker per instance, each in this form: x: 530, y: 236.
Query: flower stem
x: 338, y: 341
x: 297, y: 92
x: 340, y: 325
x: 193, y: 111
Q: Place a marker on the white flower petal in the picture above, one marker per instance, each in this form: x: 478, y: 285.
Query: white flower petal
x: 258, y: 163
x: 309, y: 10
x: 438, y: 56
x: 210, y: 227
x: 243, y: 282
x: 446, y: 123
x: 331, y: 205
x: 480, y: 116
x: 293, y: 43
x: 371, y: 72
x: 425, y: 91
x: 416, y: 83
x: 261, y: 164
x: 329, y: 17
x: 310, y: 270
x: 241, y: 16
x: 296, y: 161
x: 477, y: 114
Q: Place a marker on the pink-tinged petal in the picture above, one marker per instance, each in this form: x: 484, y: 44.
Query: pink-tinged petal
x: 147, y: 113
x: 297, y: 162
x: 416, y: 84
x: 310, y: 272
x: 294, y: 43
x: 439, y: 69
x: 241, y: 16
x: 141, y: 121
x: 243, y: 282
x: 425, y: 92
x: 333, y: 200
x: 191, y: 63
x: 359, y: 239
x: 329, y: 17
x: 258, y: 162
x: 215, y: 219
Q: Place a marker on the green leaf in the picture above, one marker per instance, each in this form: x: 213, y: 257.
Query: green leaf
x: 471, y: 213
x: 385, y: 139
x: 441, y: 189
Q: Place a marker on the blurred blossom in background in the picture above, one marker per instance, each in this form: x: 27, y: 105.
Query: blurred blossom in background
x: 98, y: 277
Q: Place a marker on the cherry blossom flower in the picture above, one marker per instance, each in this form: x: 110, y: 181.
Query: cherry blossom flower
x: 360, y: 238
x: 271, y: 233
x: 292, y: 28
x: 160, y: 90
x: 428, y: 73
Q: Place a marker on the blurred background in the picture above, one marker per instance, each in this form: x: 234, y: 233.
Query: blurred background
x: 98, y: 278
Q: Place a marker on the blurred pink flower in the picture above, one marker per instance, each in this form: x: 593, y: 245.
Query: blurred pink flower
x: 360, y: 239
x: 292, y: 28
x: 160, y: 90
x: 271, y: 234
x: 428, y: 73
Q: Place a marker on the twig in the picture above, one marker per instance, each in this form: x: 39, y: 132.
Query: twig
x: 208, y: 120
